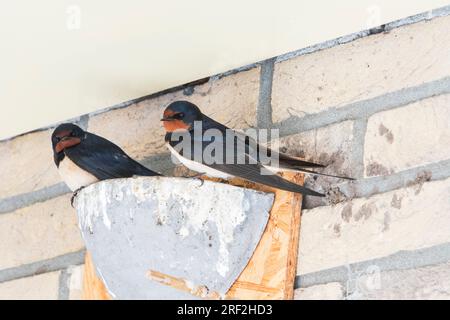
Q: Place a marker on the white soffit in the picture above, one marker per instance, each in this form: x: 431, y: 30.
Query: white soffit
x: 60, y: 59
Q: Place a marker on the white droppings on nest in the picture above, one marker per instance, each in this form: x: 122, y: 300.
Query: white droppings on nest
x: 130, y: 242
x: 224, y: 207
x: 93, y: 208
x: 131, y: 214
x: 209, y: 206
x: 138, y: 189
x: 184, y: 232
x: 118, y: 195
x: 145, y: 193
x: 104, y: 200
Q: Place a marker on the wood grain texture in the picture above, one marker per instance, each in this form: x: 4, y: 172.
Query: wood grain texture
x: 93, y: 287
x: 181, y: 284
x: 270, y: 273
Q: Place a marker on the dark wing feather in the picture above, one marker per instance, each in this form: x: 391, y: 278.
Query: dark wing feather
x: 285, y: 161
x: 105, y: 160
x: 288, y: 162
x: 252, y: 172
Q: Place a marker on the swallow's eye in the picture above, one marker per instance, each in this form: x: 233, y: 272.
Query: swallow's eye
x: 72, y: 134
x: 178, y: 115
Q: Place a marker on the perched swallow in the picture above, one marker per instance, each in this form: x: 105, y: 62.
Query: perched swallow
x: 180, y: 116
x: 83, y: 158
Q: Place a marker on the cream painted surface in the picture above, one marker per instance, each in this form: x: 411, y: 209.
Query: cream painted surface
x: 61, y: 59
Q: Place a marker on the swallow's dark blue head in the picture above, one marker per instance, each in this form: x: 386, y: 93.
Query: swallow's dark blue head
x: 180, y: 115
x: 66, y: 136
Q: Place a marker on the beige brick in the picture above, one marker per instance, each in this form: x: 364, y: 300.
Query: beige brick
x: 75, y: 282
x: 427, y: 283
x: 40, y: 231
x: 27, y: 164
x: 332, y: 146
x: 231, y: 100
x: 329, y: 291
x: 40, y: 287
x: 408, y: 137
x: 363, y: 229
x: 363, y: 69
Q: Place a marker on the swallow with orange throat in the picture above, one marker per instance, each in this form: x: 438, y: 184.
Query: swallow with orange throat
x: 83, y: 158
x: 180, y: 119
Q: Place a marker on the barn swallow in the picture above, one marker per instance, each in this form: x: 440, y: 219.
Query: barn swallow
x: 83, y: 158
x: 180, y: 116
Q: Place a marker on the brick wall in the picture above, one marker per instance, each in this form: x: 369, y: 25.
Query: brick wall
x: 374, y: 105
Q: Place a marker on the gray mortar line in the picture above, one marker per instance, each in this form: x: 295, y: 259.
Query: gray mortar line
x: 26, y: 199
x: 120, y: 105
x: 187, y: 88
x: 84, y: 121
x: 293, y: 125
x: 357, y: 111
x: 402, y: 260
x: 264, y: 108
x: 363, y: 109
x: 440, y: 12
x: 355, y: 189
x: 327, y: 44
x: 43, y: 266
x: 425, y: 16
x: 359, y: 136
x: 377, y: 185
x: 63, y: 286
x: 160, y: 163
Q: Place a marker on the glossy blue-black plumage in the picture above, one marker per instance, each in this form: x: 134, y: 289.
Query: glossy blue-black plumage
x: 249, y: 151
x: 105, y: 160
x: 99, y: 156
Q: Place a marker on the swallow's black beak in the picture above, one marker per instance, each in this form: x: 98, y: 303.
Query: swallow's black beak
x: 167, y: 119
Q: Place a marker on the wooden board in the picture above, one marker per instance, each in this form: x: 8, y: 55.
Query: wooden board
x: 270, y: 273
x: 93, y: 287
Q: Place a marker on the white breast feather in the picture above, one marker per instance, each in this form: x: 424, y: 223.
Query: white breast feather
x: 74, y: 176
x: 198, y: 167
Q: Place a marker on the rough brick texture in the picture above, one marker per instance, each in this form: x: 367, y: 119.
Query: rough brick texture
x: 27, y: 164
x: 332, y: 146
x: 40, y: 231
x: 329, y: 291
x: 407, y: 137
x: 376, y: 109
x: 362, y: 69
x: 365, y: 229
x: 75, y: 282
x: 231, y: 100
x: 427, y: 283
x: 40, y: 287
